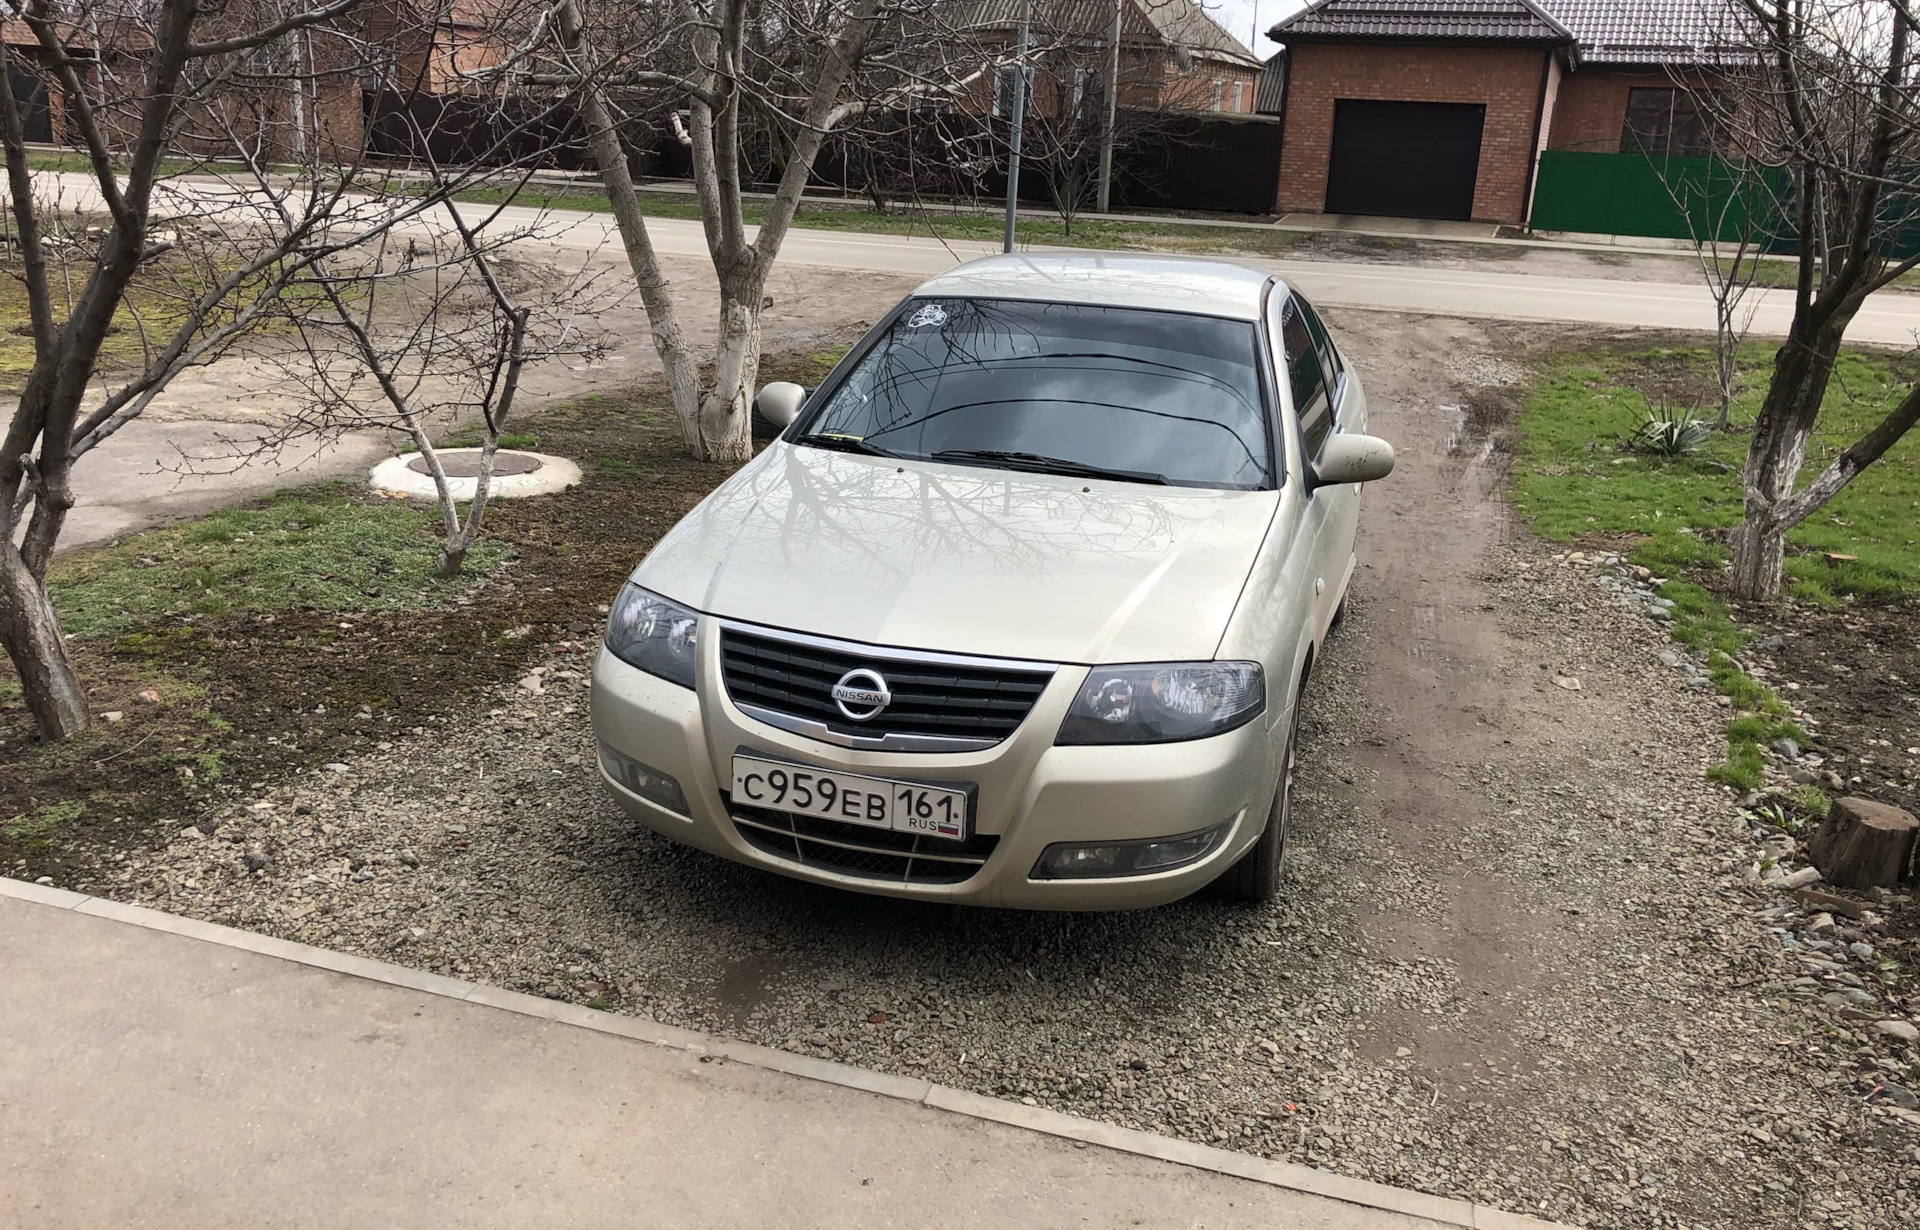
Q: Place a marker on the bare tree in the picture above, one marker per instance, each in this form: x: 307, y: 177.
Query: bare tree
x: 442, y: 330
x: 1068, y: 124
x: 1727, y: 208
x: 800, y: 69
x: 192, y: 264
x: 1832, y: 99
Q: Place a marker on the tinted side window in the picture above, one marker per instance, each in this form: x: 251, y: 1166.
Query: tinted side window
x: 1329, y: 357
x: 1308, y: 378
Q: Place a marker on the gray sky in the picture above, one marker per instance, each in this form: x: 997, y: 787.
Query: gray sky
x: 1238, y: 15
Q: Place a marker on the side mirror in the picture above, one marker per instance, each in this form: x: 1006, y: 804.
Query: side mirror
x: 779, y: 403
x: 1349, y: 458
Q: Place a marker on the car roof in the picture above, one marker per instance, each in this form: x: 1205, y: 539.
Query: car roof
x: 1111, y: 279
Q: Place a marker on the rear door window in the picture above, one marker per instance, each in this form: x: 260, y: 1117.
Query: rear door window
x: 1322, y: 343
x: 1306, y: 372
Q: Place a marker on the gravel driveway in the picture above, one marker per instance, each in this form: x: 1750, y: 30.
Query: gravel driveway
x: 1517, y: 962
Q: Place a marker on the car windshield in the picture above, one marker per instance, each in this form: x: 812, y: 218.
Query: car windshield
x: 1103, y: 392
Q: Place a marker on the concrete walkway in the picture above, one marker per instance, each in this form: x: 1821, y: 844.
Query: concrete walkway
x: 159, y: 1072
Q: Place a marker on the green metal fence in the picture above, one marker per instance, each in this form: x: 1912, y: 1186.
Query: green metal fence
x: 1633, y: 194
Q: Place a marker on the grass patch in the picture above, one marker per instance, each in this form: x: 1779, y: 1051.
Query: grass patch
x: 1786, y: 273
x: 1761, y: 729
x: 1035, y: 225
x: 309, y: 549
x: 34, y: 830
x: 1744, y: 769
x: 156, y: 302
x: 473, y: 435
x: 1812, y: 800
x: 1574, y: 476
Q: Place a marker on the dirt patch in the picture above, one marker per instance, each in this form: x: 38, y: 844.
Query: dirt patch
x: 1485, y: 435
x: 1855, y: 675
x: 239, y: 700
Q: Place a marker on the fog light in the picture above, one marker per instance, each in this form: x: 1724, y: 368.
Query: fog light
x: 649, y: 783
x: 1072, y: 861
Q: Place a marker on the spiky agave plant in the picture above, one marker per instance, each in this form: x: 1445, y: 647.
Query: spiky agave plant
x: 1670, y: 433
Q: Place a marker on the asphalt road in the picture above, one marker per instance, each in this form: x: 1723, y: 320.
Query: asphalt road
x: 1887, y: 319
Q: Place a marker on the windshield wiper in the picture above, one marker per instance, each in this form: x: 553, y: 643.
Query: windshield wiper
x: 846, y: 444
x: 1041, y: 464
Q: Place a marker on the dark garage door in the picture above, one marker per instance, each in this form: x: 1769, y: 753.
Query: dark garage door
x: 1404, y: 159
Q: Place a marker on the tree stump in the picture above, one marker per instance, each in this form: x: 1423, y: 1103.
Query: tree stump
x: 1864, y: 844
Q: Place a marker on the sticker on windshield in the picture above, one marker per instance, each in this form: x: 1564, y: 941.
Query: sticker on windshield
x: 932, y: 316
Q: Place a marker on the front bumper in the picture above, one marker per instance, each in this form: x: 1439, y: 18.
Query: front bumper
x: 1031, y: 793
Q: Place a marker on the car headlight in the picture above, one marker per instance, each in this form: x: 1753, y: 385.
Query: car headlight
x: 1163, y: 702
x: 647, y: 631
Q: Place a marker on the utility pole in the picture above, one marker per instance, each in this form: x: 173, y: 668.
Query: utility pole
x: 1105, y: 202
x: 1019, y: 121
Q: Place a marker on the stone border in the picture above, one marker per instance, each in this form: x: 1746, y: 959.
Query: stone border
x: 395, y: 477
x: 1287, y: 1175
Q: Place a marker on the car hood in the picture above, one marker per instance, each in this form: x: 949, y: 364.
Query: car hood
x: 965, y: 559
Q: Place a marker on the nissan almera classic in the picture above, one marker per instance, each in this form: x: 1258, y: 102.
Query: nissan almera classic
x: 1017, y: 608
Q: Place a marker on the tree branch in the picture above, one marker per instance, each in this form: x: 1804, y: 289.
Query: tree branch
x: 1863, y: 453
x: 266, y: 34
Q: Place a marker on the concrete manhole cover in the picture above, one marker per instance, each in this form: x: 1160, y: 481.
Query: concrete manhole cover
x: 464, y: 464
x: 515, y: 473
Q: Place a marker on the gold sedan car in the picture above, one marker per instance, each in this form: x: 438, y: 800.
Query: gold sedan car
x: 1017, y: 609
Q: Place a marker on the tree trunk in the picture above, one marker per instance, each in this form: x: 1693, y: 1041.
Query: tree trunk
x: 31, y: 637
x: 724, y: 432
x: 1801, y: 369
x: 1759, y: 553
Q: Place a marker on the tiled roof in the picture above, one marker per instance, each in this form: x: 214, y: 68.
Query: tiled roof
x: 1604, y: 31
x: 1423, y: 20
x: 1652, y: 31
x: 1177, y: 23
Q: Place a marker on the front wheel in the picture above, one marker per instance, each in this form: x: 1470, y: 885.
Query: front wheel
x: 1256, y: 877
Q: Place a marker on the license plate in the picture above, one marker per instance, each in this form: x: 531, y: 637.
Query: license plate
x: 875, y: 802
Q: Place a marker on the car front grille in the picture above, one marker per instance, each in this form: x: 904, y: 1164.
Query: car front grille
x: 963, y: 702
x: 881, y: 855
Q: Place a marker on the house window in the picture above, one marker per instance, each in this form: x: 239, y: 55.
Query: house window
x: 1239, y: 88
x: 1667, y: 122
x: 1003, y: 91
x: 1217, y: 87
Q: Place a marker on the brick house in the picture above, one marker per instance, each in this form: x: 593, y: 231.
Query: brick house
x: 292, y: 90
x: 26, y: 79
x: 1440, y: 108
x: 1174, y: 55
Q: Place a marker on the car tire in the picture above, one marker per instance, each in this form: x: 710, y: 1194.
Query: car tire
x: 1256, y: 877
